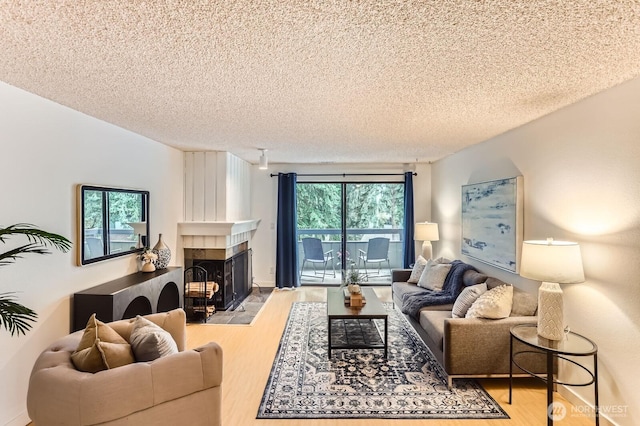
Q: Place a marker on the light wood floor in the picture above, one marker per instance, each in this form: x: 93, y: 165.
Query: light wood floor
x: 249, y: 351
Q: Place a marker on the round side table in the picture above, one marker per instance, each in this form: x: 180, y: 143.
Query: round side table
x: 573, y: 344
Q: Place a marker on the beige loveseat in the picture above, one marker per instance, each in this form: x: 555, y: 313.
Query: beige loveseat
x: 183, y: 388
x: 470, y: 347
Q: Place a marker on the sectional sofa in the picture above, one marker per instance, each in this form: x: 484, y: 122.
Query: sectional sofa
x: 469, y: 347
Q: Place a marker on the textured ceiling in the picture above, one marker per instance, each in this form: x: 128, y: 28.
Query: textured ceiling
x: 319, y: 81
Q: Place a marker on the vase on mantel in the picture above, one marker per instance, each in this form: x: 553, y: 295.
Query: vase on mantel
x: 163, y: 252
x: 148, y: 267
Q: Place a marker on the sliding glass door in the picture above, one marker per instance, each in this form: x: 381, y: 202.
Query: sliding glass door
x: 349, y: 225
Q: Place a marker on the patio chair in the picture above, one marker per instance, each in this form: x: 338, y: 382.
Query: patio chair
x: 313, y: 254
x: 377, y: 252
x: 93, y: 247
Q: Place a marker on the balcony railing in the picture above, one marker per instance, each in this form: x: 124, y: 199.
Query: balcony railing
x: 357, y: 239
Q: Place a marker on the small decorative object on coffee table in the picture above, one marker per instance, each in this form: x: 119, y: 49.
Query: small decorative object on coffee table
x: 354, y: 297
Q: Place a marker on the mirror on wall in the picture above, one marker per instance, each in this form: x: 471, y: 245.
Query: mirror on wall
x: 109, y: 222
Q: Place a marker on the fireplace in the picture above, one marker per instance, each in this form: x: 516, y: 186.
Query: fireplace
x: 230, y: 268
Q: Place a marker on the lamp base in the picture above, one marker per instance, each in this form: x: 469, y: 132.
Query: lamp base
x: 550, y: 318
x: 427, y: 250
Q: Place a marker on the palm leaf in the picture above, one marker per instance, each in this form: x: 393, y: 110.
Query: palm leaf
x: 39, y: 241
x: 11, y: 255
x: 36, y: 235
x: 15, y: 317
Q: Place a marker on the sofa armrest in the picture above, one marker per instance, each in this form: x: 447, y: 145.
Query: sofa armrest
x: 211, y: 358
x: 479, y: 345
x: 187, y: 372
x: 400, y: 275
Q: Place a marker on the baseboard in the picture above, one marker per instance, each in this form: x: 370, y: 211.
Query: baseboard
x: 21, y: 419
x: 582, y: 408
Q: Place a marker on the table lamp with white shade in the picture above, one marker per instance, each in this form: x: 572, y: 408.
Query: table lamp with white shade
x: 553, y: 263
x: 139, y: 229
x: 426, y: 232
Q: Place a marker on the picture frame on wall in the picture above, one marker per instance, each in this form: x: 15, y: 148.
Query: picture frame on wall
x: 492, y: 222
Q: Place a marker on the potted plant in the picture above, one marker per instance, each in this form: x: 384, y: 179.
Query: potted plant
x: 353, y: 279
x: 13, y: 316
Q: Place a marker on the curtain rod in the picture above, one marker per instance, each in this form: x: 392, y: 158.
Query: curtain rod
x: 347, y: 174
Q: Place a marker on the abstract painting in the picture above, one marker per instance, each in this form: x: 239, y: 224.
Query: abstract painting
x: 492, y: 218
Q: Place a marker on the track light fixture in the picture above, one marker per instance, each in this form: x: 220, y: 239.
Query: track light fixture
x: 264, y: 162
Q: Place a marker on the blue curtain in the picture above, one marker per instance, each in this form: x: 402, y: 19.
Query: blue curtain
x: 409, y: 247
x: 286, y: 238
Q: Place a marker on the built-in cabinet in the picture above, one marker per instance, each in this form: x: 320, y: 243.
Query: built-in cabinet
x: 141, y: 293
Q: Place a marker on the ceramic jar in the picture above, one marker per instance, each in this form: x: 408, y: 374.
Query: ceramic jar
x: 148, y: 267
x: 163, y: 252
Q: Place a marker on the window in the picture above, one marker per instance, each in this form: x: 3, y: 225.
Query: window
x: 345, y: 216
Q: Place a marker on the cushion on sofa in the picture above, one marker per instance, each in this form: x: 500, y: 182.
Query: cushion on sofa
x: 416, y: 272
x: 493, y: 282
x: 493, y: 304
x: 434, y: 274
x: 472, y: 277
x: 101, y: 348
x: 466, y: 299
x: 433, y: 324
x: 150, y: 341
x: 524, y: 304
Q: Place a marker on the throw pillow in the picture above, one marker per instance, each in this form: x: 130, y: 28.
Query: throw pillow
x: 433, y: 276
x: 466, y: 299
x: 524, y: 304
x: 149, y: 341
x: 416, y: 272
x: 493, y: 304
x: 101, y: 348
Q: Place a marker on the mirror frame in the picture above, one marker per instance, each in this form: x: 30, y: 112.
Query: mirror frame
x: 81, y: 191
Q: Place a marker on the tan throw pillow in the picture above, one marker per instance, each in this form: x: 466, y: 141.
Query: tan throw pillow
x: 493, y: 304
x: 149, y: 341
x: 433, y: 276
x: 524, y: 304
x: 101, y: 348
x: 416, y: 272
x: 466, y: 299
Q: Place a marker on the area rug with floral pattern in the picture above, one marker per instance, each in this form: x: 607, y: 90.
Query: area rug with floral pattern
x: 361, y: 383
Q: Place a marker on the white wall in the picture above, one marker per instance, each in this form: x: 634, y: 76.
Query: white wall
x: 581, y: 168
x: 45, y: 151
x: 264, y: 190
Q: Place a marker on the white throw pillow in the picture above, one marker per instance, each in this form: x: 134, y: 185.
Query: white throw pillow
x: 466, y: 299
x: 416, y: 272
x: 149, y: 341
x: 493, y: 304
x: 433, y: 276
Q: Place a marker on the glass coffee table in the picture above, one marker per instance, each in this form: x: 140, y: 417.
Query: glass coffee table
x: 338, y: 310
